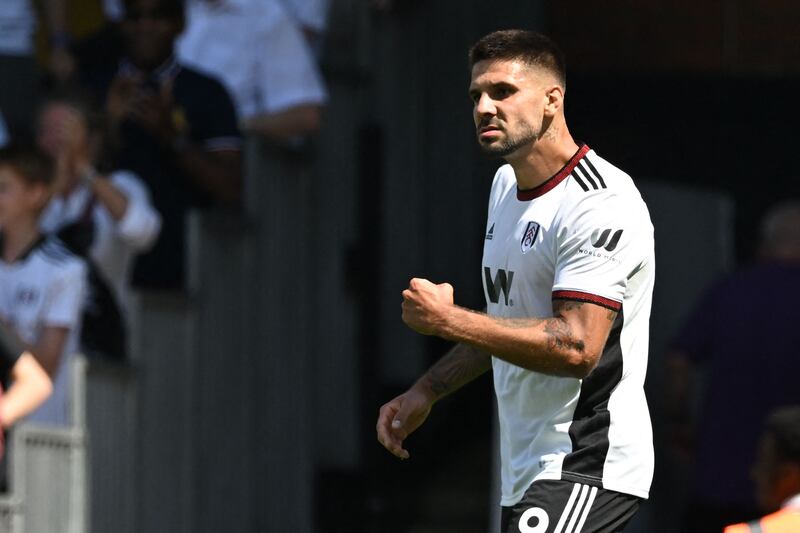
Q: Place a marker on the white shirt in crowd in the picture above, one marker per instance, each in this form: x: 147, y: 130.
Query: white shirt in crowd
x: 115, y: 243
x: 17, y: 26
x: 307, y: 13
x: 46, y: 288
x: 256, y: 50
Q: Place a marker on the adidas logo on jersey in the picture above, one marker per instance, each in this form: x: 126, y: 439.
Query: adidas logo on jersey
x: 490, y: 234
x: 587, y: 176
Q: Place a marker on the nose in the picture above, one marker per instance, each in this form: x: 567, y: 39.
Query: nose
x: 485, y: 106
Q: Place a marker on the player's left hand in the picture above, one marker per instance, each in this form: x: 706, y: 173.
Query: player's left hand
x: 425, y: 305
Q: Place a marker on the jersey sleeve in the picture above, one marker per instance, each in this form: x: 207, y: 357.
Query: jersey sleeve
x: 214, y: 123
x: 600, y: 244
x: 141, y: 223
x: 65, y: 296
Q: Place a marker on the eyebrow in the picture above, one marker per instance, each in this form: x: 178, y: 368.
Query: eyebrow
x: 497, y: 85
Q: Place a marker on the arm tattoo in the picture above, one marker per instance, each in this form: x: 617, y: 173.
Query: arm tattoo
x: 560, y: 336
x: 559, y: 332
x: 459, y: 366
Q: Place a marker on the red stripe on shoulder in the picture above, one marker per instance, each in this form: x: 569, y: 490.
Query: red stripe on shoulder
x: 588, y: 297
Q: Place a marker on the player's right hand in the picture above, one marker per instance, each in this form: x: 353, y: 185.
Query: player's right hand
x: 398, y: 418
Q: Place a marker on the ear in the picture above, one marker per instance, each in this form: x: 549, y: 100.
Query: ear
x: 554, y: 100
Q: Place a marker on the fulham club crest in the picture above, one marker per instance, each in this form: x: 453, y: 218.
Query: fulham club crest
x: 529, y: 237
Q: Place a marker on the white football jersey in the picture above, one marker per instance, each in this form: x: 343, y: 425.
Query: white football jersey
x: 43, y: 288
x: 585, y: 235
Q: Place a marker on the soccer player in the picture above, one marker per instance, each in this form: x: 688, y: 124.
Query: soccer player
x: 568, y: 268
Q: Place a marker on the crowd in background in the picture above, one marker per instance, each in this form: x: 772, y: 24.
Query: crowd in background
x: 110, y: 139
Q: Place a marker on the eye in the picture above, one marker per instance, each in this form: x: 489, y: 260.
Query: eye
x: 502, y: 91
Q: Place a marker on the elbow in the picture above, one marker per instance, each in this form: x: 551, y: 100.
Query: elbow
x: 580, y: 363
x: 140, y: 231
x: 45, y: 387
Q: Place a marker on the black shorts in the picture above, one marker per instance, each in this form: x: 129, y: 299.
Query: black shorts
x: 554, y: 506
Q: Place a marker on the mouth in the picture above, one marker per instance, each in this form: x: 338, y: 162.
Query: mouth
x: 488, y: 132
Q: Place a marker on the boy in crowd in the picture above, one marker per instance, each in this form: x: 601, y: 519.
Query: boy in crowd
x: 41, y: 283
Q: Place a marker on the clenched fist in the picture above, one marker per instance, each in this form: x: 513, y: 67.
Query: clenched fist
x: 426, y: 304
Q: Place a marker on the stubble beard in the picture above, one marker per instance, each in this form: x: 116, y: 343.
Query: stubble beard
x: 511, y: 144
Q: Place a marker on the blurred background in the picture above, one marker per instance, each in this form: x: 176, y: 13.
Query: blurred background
x: 248, y: 398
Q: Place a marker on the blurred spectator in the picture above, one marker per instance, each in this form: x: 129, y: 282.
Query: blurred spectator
x: 262, y: 57
x: 106, y: 219
x: 174, y: 127
x: 18, y: 24
x: 41, y: 281
x: 312, y: 18
x: 777, y: 475
x: 743, y: 336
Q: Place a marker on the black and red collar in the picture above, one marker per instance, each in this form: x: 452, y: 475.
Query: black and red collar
x: 555, y: 179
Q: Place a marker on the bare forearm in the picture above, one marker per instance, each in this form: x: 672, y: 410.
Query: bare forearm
x: 284, y: 125
x: 569, y: 343
x: 29, y: 388
x: 549, y: 345
x: 459, y: 366
x: 114, y: 201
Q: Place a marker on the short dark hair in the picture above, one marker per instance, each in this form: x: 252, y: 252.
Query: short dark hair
x: 530, y: 47
x: 29, y: 163
x: 784, y: 426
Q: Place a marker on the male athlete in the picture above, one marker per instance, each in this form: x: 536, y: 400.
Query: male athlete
x: 568, y: 270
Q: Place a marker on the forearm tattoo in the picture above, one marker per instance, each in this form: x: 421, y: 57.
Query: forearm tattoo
x: 559, y: 332
x: 559, y: 336
x: 459, y: 366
